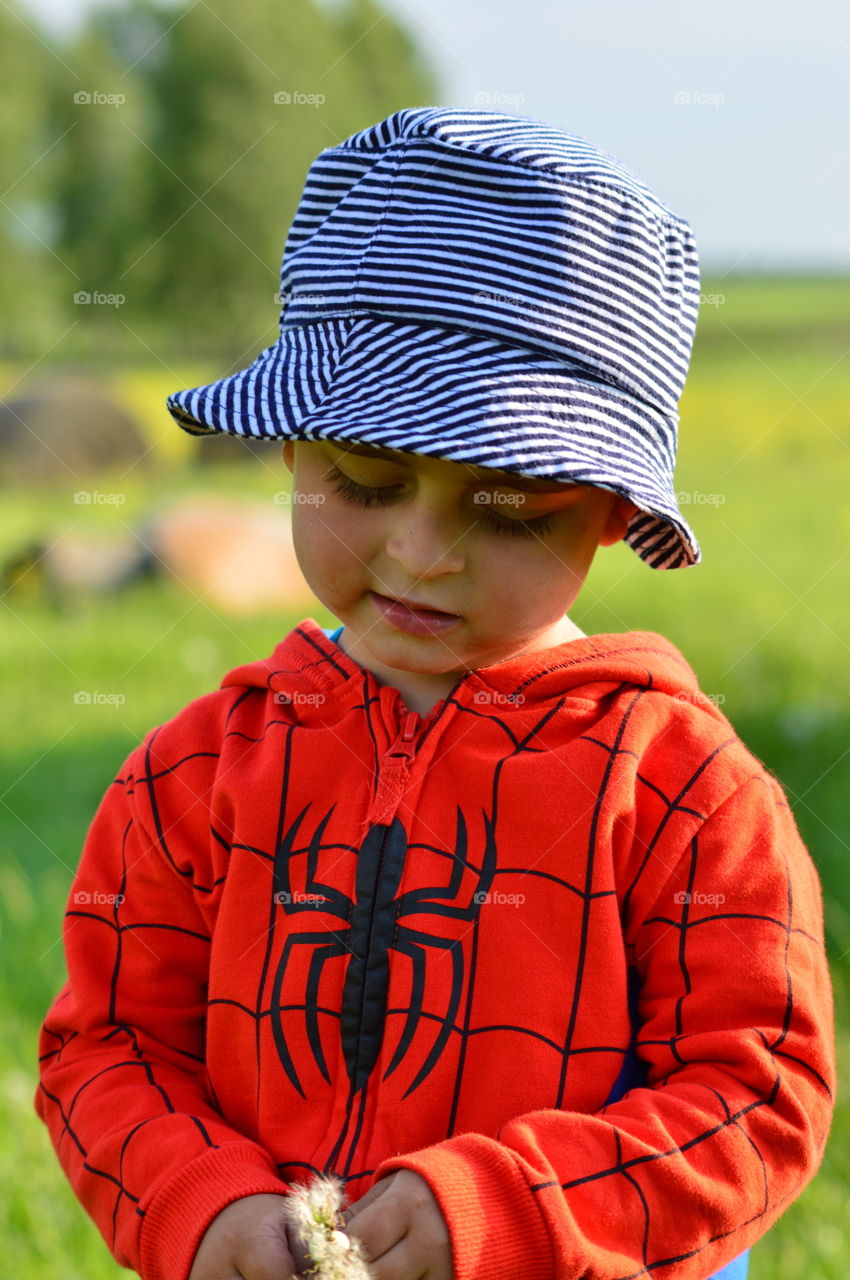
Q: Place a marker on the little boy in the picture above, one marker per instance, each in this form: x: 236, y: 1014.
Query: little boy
x: 499, y: 922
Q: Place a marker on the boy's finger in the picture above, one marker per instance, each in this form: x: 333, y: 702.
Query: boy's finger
x: 379, y: 1226
x: 372, y: 1194
x: 261, y: 1265
x: 265, y: 1251
x: 300, y: 1256
x: 399, y: 1263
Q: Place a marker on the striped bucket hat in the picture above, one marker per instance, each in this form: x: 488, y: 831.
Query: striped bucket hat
x: 488, y: 290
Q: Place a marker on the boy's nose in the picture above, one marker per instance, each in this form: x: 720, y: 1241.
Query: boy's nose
x: 424, y: 543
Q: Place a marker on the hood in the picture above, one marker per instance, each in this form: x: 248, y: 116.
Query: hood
x: 310, y: 674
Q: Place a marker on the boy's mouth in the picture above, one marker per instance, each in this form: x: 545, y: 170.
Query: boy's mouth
x: 411, y: 616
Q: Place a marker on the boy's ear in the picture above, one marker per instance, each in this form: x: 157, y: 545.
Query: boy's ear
x: 288, y: 454
x: 622, y: 510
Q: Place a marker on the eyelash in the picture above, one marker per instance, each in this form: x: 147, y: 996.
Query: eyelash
x: 367, y: 497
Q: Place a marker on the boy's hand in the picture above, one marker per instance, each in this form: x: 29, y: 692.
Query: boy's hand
x: 246, y: 1241
x: 403, y: 1233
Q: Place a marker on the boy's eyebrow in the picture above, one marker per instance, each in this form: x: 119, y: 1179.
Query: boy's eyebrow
x: 528, y: 483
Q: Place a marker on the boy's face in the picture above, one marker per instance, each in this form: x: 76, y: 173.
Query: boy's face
x: 505, y: 556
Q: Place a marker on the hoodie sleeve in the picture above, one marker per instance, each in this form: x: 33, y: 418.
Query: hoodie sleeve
x: 123, y: 1083
x: 736, y: 1034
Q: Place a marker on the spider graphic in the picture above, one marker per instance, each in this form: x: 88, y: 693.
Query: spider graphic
x: 374, y: 929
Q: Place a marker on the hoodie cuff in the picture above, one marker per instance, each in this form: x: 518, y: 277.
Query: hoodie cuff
x: 184, y: 1206
x: 496, y: 1230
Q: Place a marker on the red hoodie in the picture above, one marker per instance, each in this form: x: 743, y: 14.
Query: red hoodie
x: 557, y: 946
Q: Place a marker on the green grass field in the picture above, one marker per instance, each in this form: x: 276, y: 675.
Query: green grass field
x: 763, y: 473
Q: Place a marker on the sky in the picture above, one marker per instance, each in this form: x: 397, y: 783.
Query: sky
x: 734, y: 112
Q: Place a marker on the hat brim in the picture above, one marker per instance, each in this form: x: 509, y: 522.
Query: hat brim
x: 461, y: 397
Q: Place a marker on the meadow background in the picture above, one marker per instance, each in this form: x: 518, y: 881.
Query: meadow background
x: 763, y: 477
x: 763, y: 621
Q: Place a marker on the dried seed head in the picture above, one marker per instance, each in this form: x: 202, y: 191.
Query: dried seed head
x: 314, y: 1212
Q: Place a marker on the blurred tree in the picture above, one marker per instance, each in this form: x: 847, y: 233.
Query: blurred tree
x: 384, y: 57
x: 179, y: 197
x: 247, y: 95
x: 99, y: 107
x: 34, y: 278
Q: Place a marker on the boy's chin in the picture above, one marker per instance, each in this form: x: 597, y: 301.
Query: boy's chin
x: 419, y: 655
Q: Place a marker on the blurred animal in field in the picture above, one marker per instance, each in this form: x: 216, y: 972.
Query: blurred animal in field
x: 235, y: 554
x: 70, y: 565
x: 66, y: 427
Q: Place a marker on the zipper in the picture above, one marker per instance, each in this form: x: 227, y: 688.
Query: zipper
x: 394, y: 770
x: 408, y: 733
x: 396, y: 762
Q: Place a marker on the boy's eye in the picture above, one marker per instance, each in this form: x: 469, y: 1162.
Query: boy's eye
x: 364, y: 494
x: 368, y: 496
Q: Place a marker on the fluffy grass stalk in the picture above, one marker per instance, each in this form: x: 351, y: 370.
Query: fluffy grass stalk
x: 314, y: 1214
